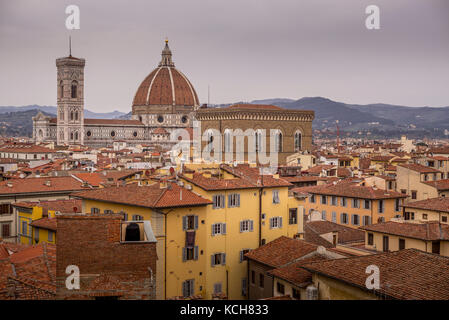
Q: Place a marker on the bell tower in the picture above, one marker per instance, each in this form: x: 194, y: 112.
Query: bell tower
x: 70, y: 84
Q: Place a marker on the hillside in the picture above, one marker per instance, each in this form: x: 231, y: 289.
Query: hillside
x: 19, y: 123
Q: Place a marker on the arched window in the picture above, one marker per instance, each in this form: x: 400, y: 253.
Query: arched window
x: 71, y: 115
x: 61, y: 89
x: 76, y: 115
x: 210, y: 140
x: 61, y: 115
x: 74, y: 88
x: 278, y: 141
x: 227, y: 141
x: 41, y: 134
x: 258, y: 140
x: 71, y: 135
x: 298, y: 140
x: 76, y: 135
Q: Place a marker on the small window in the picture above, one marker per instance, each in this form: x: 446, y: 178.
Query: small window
x: 401, y: 244
x: 244, y: 287
x: 424, y: 216
x: 296, y: 294
x: 343, y: 202
x: 355, y: 220
x: 334, y: 200
x: 323, y: 199
x: 184, y: 119
x: 355, y: 203
x: 160, y: 119
x: 261, y: 281
x: 188, y: 288
x: 344, y: 218
x: 414, y: 194
x: 246, y: 226
x: 280, y: 288
x: 275, y: 222
x: 367, y: 204
x: 218, y: 201
x: 218, y: 259
x: 112, y: 133
x: 242, y: 254
x: 312, y: 198
x: 293, y: 216
x: 218, y: 228
x: 443, y: 218
x: 381, y: 206
x: 190, y: 223
x: 233, y: 200
x: 94, y: 210
x: 276, y: 197
x: 397, y: 205
x: 190, y: 253
x: 370, y: 239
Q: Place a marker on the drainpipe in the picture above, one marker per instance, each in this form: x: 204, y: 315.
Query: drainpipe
x: 165, y: 250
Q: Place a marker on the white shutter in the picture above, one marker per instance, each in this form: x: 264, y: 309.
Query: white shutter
x: 184, y: 223
x: 251, y: 225
x: 238, y: 200
x: 196, y: 222
x: 280, y: 222
x: 271, y: 223
x: 241, y: 226
x: 223, y: 258
x: 213, y: 230
x: 212, y: 260
x: 184, y: 254
x: 195, y: 253
x: 223, y: 228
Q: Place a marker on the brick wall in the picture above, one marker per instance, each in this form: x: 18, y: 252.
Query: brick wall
x: 107, y: 267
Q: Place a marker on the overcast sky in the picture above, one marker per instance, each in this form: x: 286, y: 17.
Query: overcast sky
x: 242, y: 49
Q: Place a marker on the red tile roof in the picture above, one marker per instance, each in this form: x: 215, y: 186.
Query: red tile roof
x: 281, y: 251
x: 408, y: 274
x: 92, y: 178
x: 293, y: 272
x: 150, y: 196
x: 433, y: 204
x: 63, y: 206
x: 39, y: 185
x: 25, y: 148
x: 45, y: 223
x: 419, y: 168
x: 440, y: 185
x: 430, y: 231
x: 350, y: 191
x: 113, y: 122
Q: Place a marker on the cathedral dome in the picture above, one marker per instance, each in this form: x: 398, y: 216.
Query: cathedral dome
x: 166, y: 86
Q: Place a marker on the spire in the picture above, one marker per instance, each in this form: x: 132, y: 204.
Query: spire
x: 70, y: 46
x: 166, y: 56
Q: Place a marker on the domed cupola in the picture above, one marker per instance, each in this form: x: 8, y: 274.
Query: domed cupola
x: 165, y: 89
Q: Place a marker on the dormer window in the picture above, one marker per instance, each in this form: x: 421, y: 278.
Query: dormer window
x: 132, y: 232
x: 137, y: 231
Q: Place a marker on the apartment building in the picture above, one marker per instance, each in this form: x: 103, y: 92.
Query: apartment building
x: 351, y: 204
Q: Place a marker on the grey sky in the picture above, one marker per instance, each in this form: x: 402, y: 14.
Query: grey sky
x: 243, y: 49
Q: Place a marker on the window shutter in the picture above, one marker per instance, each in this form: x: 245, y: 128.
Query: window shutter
x: 271, y: 223
x: 223, y: 258
x: 229, y: 200
x: 92, y: 210
x: 223, y: 228
x: 341, y: 217
x: 212, y: 260
x: 196, y: 222
x: 184, y: 289
x: 241, y: 255
x: 241, y: 226
x: 192, y: 288
x: 251, y: 225
x: 280, y: 222
x: 352, y: 219
x: 238, y: 200
x: 126, y: 217
x: 195, y: 253
x: 184, y: 223
x: 213, y: 230
x: 184, y: 254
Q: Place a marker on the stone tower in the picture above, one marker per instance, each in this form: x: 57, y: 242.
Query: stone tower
x: 70, y: 117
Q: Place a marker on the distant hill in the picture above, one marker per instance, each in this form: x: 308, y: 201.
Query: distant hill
x: 371, y: 117
x: 52, y: 111
x: 381, y: 120
x: 19, y: 123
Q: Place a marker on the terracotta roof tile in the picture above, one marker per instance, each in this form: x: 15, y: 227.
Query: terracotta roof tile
x: 419, y: 168
x: 351, y: 191
x: 281, y: 251
x: 40, y: 185
x: 408, y: 274
x: 430, y: 231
